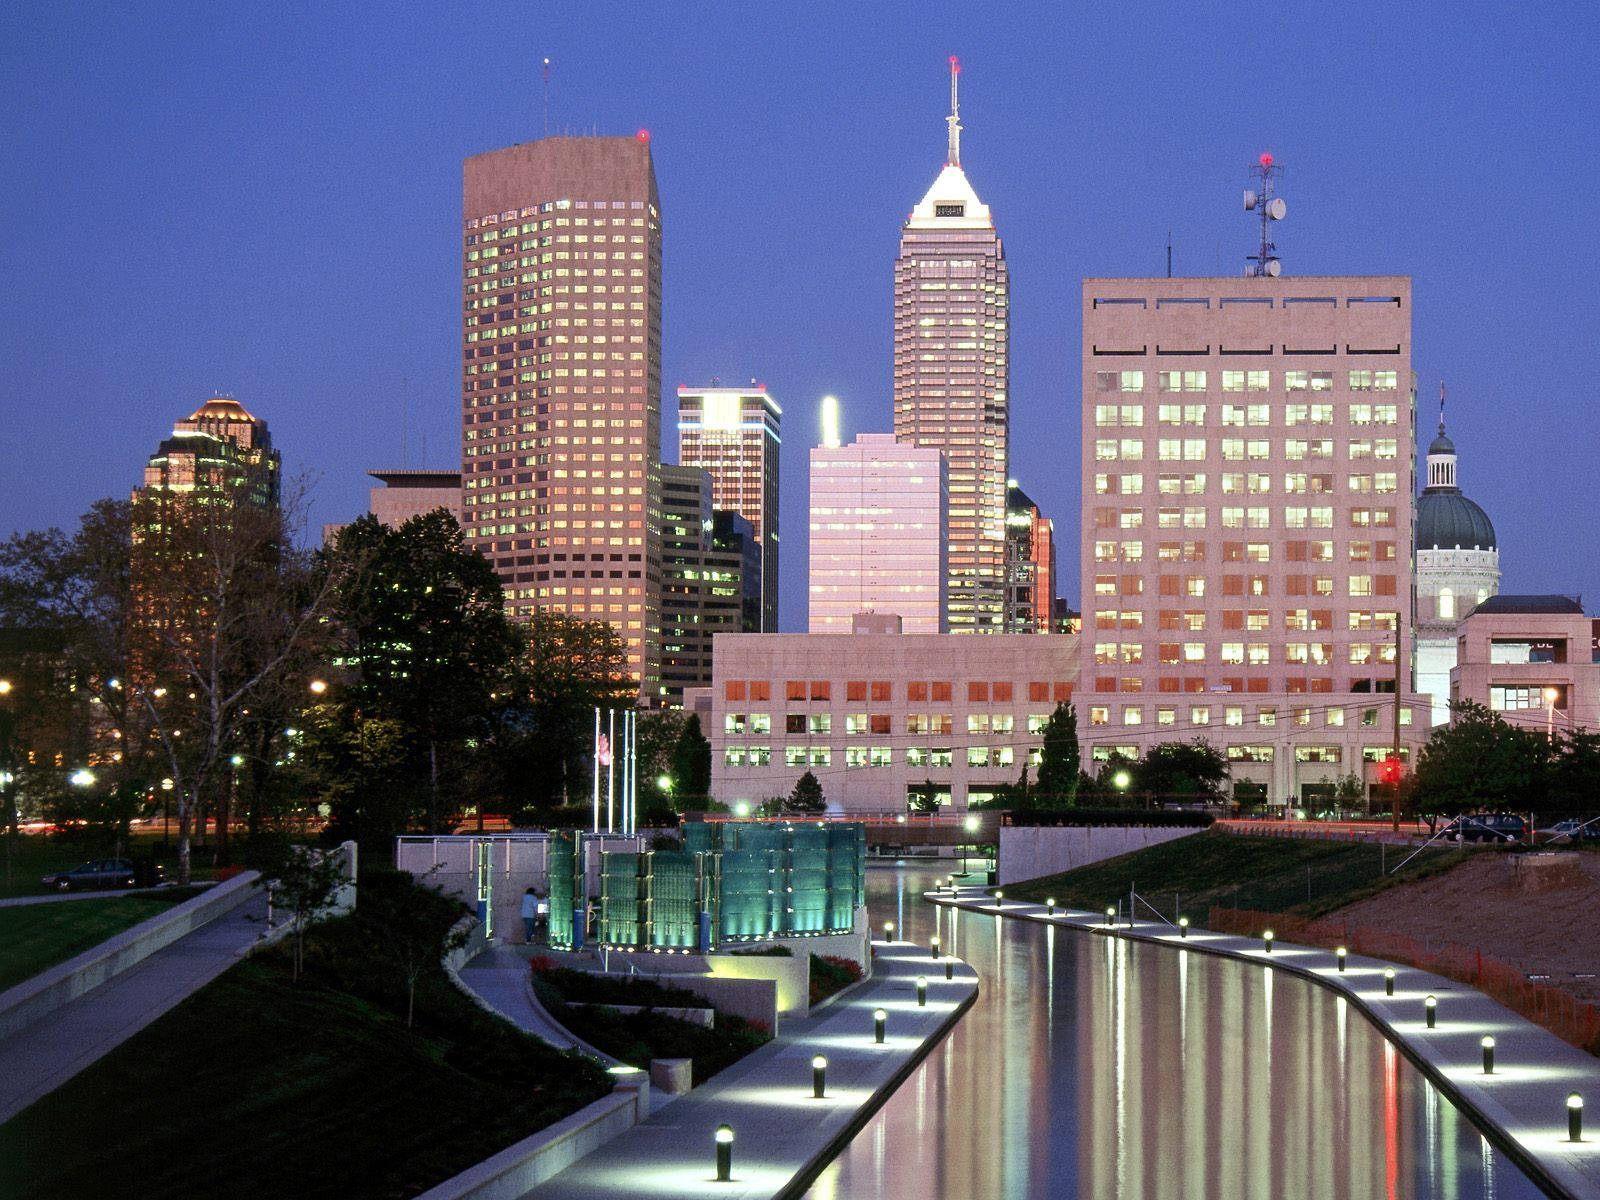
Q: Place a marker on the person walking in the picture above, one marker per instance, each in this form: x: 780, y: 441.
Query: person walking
x: 530, y: 913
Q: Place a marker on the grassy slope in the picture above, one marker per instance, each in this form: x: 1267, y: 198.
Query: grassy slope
x: 36, y: 936
x: 1236, y: 871
x: 256, y: 1086
x: 35, y: 855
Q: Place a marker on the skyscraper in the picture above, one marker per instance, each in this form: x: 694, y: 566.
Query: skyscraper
x: 1247, y: 513
x: 877, y: 534
x: 701, y: 590
x: 733, y: 434
x: 561, y: 381
x: 952, y: 374
x: 1030, y: 565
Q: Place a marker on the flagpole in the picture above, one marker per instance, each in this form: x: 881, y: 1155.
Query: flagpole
x: 596, y: 757
x: 611, y: 771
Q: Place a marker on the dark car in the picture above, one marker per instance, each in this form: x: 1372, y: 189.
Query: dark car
x: 1575, y: 829
x: 1487, y: 827
x: 101, y: 873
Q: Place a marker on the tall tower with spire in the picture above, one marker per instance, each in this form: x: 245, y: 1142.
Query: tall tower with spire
x: 1458, y: 568
x: 952, y: 373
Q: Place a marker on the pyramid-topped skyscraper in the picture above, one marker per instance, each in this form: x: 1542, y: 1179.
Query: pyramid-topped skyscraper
x: 952, y: 373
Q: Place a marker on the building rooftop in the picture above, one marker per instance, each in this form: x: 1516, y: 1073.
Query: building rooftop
x: 1531, y: 604
x: 1447, y: 520
x: 418, y: 478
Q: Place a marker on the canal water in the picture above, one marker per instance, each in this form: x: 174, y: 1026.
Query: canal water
x: 1093, y: 1067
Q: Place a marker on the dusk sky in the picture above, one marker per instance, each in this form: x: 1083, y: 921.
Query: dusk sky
x: 265, y: 200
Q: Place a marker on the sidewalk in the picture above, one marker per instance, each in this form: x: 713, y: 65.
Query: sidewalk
x: 1522, y: 1106
x: 782, y: 1134
x: 45, y: 1055
x: 501, y: 978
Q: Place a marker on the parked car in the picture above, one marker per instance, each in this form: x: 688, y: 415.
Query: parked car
x: 1487, y: 827
x: 1574, y: 829
x: 101, y: 873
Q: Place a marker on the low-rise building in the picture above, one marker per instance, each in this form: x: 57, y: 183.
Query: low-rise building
x: 1532, y: 660
x: 879, y: 716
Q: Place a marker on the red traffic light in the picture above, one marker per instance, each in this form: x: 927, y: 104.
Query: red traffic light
x: 1389, y: 770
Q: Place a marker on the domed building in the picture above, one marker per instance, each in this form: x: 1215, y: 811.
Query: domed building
x: 1458, y: 567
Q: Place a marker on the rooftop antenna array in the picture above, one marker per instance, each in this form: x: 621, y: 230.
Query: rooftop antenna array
x: 547, y: 97
x: 1263, y: 199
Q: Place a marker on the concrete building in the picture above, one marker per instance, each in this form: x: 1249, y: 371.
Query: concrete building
x: 952, y: 375
x: 701, y: 593
x: 732, y: 534
x: 878, y: 512
x: 1030, y: 565
x: 561, y: 381
x: 734, y: 434
x: 880, y: 716
x: 1458, y: 567
x: 411, y: 493
x: 1248, y: 451
x: 1531, y: 659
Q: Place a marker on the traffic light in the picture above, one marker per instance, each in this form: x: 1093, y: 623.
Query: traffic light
x: 1389, y: 771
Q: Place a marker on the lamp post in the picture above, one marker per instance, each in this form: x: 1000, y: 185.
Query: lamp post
x: 724, y: 1137
x: 1341, y: 954
x: 1388, y: 981
x: 1550, y: 697
x: 1431, y: 1007
x: 1574, y: 1117
x: 1266, y: 941
x: 922, y: 991
x: 1488, y: 1054
x: 1183, y: 927
x: 819, y: 1077
x: 879, y: 1018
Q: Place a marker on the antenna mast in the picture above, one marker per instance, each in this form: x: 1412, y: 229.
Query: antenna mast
x: 1271, y: 208
x: 547, y: 97
x: 953, y: 153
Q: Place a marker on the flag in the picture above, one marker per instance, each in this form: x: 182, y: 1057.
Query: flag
x: 602, y: 750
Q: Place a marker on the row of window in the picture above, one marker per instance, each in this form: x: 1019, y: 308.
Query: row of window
x: 879, y: 756
x: 1244, y: 449
x: 1234, y: 715
x: 1295, y: 620
x: 1238, y: 483
x: 760, y: 724
x: 1246, y: 381
x: 917, y: 691
x: 1132, y: 415
x: 1255, y: 654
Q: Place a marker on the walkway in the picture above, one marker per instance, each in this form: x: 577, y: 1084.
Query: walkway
x: 59, y: 897
x: 783, y: 1136
x: 1522, y: 1106
x: 502, y: 979
x: 46, y: 1054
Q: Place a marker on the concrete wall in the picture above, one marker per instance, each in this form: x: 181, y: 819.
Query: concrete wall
x: 519, y: 1168
x: 751, y: 997
x: 1028, y: 852
x: 34, y: 999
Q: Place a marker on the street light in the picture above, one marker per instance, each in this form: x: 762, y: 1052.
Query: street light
x: 5, y: 687
x: 664, y: 782
x: 82, y: 777
x: 1550, y: 698
x: 318, y: 686
x: 1121, y: 780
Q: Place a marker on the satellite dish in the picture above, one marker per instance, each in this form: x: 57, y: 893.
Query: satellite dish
x: 1250, y: 199
x: 1274, y: 268
x: 1277, y: 209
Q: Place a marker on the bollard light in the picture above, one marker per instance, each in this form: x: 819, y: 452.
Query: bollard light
x: 999, y: 899
x: 888, y: 931
x: 1488, y: 1054
x: 933, y: 947
x: 1340, y: 953
x: 879, y: 1018
x: 819, y: 1077
x: 1431, y: 1004
x: 1388, y: 981
x: 1050, y: 907
x: 1266, y: 941
x: 724, y: 1138
x: 1574, y: 1117
x: 922, y: 991
x: 949, y: 968
x: 1183, y: 926
x: 1110, y: 915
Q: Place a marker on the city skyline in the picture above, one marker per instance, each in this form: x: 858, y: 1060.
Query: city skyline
x: 1364, y: 197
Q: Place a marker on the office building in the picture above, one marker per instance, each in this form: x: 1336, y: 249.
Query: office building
x: 882, y: 717
x: 1531, y: 660
x: 1458, y: 567
x: 561, y: 381
x: 878, y: 512
x: 952, y: 375
x: 732, y: 534
x: 407, y: 494
x: 701, y: 593
x: 1248, y: 451
x: 1030, y: 565
x: 734, y: 434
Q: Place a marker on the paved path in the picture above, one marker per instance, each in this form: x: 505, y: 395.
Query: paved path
x: 1522, y: 1106
x: 58, y: 897
x: 783, y: 1136
x: 502, y: 979
x: 46, y: 1054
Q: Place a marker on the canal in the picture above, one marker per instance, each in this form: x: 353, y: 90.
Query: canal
x: 1095, y: 1067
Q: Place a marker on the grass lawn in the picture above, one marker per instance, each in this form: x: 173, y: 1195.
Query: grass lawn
x: 258, y: 1086
x: 1238, y: 871
x: 36, y: 936
x: 35, y: 855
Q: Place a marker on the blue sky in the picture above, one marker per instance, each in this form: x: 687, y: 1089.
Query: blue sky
x: 265, y: 200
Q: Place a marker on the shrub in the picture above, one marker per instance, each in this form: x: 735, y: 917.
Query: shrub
x: 830, y: 975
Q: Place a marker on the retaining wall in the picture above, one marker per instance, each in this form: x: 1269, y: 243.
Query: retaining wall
x: 1027, y: 852
x: 33, y: 999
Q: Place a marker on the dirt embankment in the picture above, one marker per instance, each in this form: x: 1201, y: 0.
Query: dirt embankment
x: 1539, y: 913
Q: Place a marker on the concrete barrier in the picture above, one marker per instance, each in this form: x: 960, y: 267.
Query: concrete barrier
x: 672, y: 1076
x: 520, y: 1167
x: 705, y: 1017
x: 33, y: 999
x: 1030, y: 851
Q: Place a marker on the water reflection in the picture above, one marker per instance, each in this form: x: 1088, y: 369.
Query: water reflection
x: 1094, y: 1067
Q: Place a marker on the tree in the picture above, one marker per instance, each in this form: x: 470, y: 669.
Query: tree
x: 426, y: 641
x: 1349, y: 789
x: 1480, y: 761
x: 303, y: 881
x: 1181, y: 771
x: 402, y: 917
x: 1059, y: 757
x: 659, y: 730
x: 924, y: 797
x: 691, y: 762
x: 807, y: 797
x: 357, y: 765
